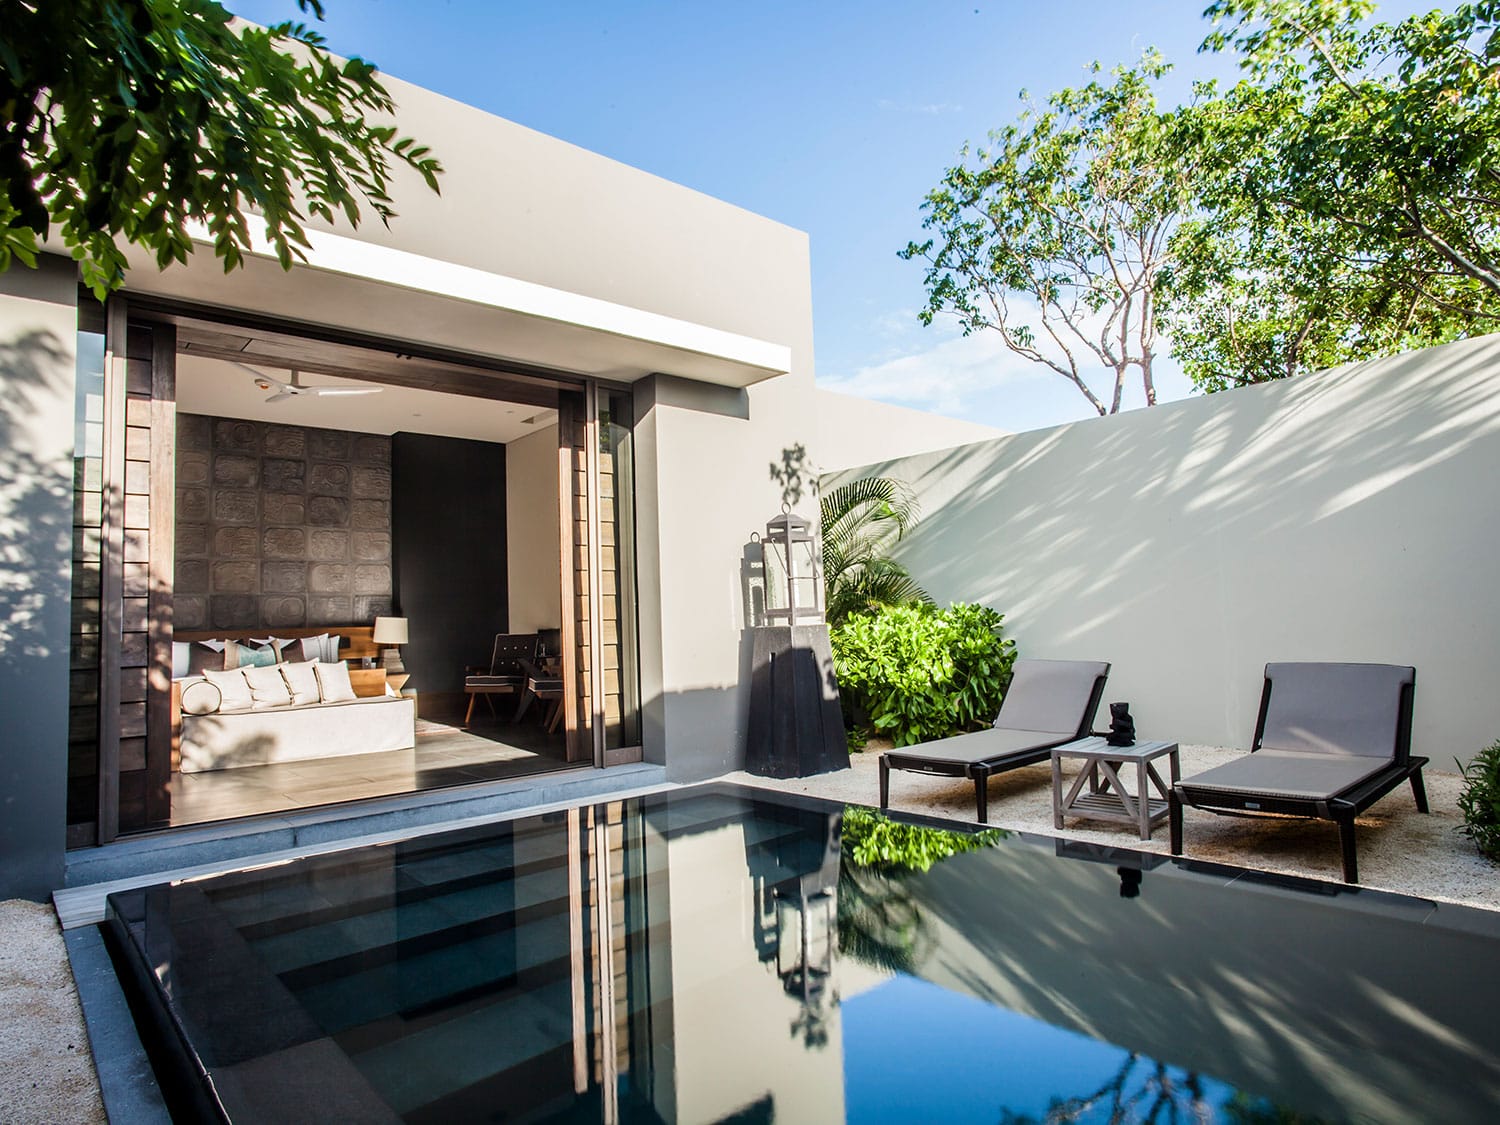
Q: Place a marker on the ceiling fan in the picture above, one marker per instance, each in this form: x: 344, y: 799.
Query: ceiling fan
x: 281, y: 392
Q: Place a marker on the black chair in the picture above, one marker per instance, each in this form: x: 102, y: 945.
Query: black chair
x: 1048, y: 703
x: 507, y: 672
x: 545, y: 684
x: 1330, y: 741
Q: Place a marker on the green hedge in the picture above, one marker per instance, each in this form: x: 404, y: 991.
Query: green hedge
x: 920, y: 672
x: 1480, y: 801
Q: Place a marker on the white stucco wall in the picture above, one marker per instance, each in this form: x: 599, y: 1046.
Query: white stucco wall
x: 531, y: 532
x: 1348, y: 515
x: 38, y: 356
x: 854, y: 431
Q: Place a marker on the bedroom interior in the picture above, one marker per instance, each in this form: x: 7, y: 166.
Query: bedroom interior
x: 315, y: 488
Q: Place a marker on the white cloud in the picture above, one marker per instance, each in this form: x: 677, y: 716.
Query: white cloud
x: 931, y: 109
x: 944, y: 378
x: 978, y: 379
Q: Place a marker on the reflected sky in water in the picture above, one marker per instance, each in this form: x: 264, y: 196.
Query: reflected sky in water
x: 916, y: 1052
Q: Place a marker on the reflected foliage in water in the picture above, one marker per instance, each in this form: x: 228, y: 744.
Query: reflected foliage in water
x: 879, y: 922
x: 891, y: 847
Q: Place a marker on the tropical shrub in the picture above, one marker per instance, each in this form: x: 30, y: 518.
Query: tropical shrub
x: 861, y: 521
x: 1480, y: 801
x: 920, y: 672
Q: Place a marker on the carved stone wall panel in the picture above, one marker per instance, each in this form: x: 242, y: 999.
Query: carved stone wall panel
x: 280, y: 525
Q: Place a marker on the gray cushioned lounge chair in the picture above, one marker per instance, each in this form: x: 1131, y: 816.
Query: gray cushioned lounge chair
x: 1331, y: 740
x: 1048, y: 703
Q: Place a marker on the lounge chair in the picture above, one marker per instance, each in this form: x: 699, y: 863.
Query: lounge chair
x: 1049, y: 703
x: 1331, y: 740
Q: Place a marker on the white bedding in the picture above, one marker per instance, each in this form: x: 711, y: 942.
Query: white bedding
x: 293, y: 734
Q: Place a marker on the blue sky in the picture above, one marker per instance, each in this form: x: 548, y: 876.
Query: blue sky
x: 833, y: 117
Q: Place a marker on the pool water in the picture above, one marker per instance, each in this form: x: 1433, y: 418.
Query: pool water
x: 719, y: 954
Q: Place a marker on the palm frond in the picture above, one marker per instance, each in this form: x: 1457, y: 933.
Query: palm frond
x: 861, y: 521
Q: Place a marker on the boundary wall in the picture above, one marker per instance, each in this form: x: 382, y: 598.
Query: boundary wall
x: 1351, y: 514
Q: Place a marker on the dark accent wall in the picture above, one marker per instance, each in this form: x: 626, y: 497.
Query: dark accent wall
x: 280, y: 525
x: 448, y: 526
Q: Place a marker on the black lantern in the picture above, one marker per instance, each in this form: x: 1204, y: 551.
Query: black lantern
x: 794, y: 580
x: 796, y: 728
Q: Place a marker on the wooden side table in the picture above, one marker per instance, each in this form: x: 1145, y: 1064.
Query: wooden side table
x: 1107, y: 798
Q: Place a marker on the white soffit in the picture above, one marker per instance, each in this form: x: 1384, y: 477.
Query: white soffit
x: 521, y: 320
x: 225, y: 389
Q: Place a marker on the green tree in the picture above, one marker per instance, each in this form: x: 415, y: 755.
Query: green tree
x: 861, y: 521
x: 1056, y: 234
x: 1349, y: 190
x: 128, y: 120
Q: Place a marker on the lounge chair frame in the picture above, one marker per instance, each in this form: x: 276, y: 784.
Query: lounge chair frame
x: 981, y: 771
x: 1342, y: 807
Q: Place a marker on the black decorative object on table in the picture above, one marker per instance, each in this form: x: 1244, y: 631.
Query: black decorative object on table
x: 1121, y: 725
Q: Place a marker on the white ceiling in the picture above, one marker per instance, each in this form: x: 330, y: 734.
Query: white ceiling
x: 222, y: 389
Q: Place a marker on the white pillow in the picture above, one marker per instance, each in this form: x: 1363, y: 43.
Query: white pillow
x: 182, y: 659
x: 333, y: 682
x: 200, y: 697
x: 267, y: 687
x: 303, y: 682
x: 315, y: 648
x: 234, y: 689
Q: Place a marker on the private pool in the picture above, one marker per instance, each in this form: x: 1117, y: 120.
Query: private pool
x: 720, y: 954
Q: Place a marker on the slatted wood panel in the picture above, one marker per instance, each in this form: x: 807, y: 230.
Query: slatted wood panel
x: 572, y: 456
x: 615, y: 594
x: 146, y: 488
x: 84, y: 630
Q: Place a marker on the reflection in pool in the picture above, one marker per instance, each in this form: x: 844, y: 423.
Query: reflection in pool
x: 718, y: 954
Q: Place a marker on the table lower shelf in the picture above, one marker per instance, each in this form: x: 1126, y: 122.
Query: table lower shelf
x: 1107, y: 806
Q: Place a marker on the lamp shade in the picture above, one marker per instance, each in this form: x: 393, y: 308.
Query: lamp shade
x: 390, y: 631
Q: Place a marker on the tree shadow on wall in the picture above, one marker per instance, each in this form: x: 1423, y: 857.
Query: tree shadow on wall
x: 36, y: 521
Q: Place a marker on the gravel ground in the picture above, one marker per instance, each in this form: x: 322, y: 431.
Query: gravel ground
x: 46, y: 1068
x: 1399, y: 849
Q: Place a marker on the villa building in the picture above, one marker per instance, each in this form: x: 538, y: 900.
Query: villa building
x: 583, y: 374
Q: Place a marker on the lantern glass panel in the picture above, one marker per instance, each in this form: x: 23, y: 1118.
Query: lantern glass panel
x: 808, y: 582
x: 773, y: 552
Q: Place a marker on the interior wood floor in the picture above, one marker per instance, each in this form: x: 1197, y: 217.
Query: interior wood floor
x: 444, y: 755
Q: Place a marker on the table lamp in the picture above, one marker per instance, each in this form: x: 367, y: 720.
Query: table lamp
x: 391, y: 632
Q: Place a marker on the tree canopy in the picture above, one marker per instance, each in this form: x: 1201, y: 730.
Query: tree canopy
x: 1340, y: 201
x: 1054, y: 235
x: 129, y: 120
x: 1348, y: 203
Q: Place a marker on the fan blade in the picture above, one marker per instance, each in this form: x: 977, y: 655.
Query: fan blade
x: 281, y: 396
x: 343, y: 390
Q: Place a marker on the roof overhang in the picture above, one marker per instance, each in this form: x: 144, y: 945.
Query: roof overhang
x: 363, y: 287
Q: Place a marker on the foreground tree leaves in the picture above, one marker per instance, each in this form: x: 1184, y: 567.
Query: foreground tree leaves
x: 128, y: 120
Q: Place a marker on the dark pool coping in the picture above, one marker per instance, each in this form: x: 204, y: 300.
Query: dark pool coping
x: 191, y: 853
x: 128, y: 1081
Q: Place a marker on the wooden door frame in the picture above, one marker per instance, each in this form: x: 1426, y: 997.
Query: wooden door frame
x: 111, y: 565
x: 578, y: 413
